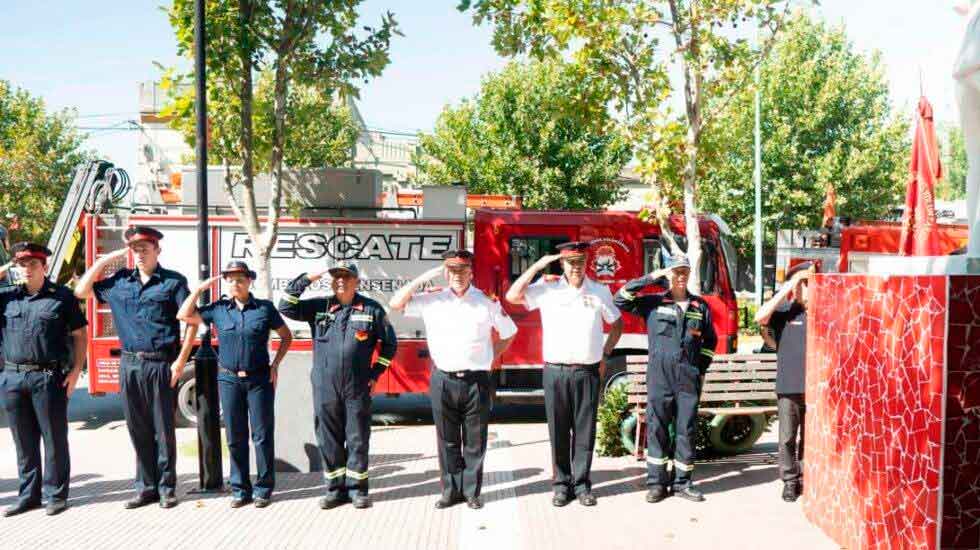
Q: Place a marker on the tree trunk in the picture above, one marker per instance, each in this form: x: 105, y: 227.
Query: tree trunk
x: 268, y: 241
x: 692, y: 100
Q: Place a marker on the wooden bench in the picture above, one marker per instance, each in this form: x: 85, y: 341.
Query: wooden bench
x: 734, y: 384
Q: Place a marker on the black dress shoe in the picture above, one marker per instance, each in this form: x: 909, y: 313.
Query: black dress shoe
x: 329, y: 503
x: 446, y: 502
x: 689, y: 493
x: 56, y: 507
x: 20, y: 508
x: 238, y: 502
x: 262, y: 502
x: 362, y: 502
x: 586, y: 499
x: 790, y: 492
x: 560, y: 499
x: 474, y: 503
x: 168, y: 501
x: 141, y: 501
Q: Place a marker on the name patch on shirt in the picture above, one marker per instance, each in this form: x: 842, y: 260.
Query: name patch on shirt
x: 667, y: 310
x: 361, y: 317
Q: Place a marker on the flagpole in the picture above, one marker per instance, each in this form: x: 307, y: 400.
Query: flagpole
x: 758, y: 188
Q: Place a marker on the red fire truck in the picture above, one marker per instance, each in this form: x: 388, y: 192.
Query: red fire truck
x: 847, y: 248
x: 392, y: 245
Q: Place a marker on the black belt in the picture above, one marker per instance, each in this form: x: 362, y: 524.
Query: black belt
x: 573, y: 365
x: 242, y: 373
x: 151, y: 355
x: 33, y: 367
x: 461, y: 373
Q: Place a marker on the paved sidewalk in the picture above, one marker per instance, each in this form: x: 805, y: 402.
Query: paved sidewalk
x: 743, y: 508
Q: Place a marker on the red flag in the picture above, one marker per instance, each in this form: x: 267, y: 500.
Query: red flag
x: 919, y: 234
x: 829, y: 211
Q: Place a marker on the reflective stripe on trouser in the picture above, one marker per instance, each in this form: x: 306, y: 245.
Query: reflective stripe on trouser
x: 148, y: 406
x: 673, y: 391
x: 571, y: 400
x: 343, y: 433
x: 460, y: 412
x: 37, y: 411
x: 791, y: 411
x: 244, y: 401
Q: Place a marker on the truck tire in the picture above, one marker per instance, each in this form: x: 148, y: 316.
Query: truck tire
x: 627, y: 433
x: 736, y: 433
x: 615, y: 374
x: 186, y: 409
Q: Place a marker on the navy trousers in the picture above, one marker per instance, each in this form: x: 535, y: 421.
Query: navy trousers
x: 673, y: 394
x: 249, y: 400
x: 37, y: 409
x: 148, y: 406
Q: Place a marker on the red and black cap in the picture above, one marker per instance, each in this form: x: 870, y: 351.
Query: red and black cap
x: 797, y: 268
x: 457, y: 258
x: 575, y: 250
x: 142, y: 233
x: 27, y: 251
x: 238, y: 266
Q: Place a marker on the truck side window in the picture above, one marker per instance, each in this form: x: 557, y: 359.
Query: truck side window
x: 524, y: 251
x: 653, y: 254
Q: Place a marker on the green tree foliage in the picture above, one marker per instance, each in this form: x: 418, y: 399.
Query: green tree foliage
x: 39, y: 151
x: 303, y: 53
x: 540, y: 130
x: 953, y: 153
x: 633, y: 44
x: 826, y: 120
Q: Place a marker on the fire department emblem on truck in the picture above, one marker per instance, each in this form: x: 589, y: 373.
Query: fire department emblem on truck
x: 605, y: 263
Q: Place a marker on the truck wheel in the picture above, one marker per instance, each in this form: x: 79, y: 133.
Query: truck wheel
x: 627, y: 433
x: 615, y: 374
x: 186, y: 416
x: 735, y: 433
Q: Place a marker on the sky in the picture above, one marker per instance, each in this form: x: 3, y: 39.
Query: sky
x: 91, y: 56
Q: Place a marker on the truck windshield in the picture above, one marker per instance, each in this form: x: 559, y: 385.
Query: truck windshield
x: 656, y: 249
x: 524, y: 251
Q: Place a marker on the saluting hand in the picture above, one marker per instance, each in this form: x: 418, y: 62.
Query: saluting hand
x: 432, y: 273
x: 313, y: 277
x: 207, y: 284
x: 115, y: 254
x: 543, y: 261
x: 4, y: 269
x: 663, y: 272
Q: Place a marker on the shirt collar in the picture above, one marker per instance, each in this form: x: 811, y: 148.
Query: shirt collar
x: 46, y: 288
x: 135, y: 273
x: 357, y: 303
x: 250, y: 303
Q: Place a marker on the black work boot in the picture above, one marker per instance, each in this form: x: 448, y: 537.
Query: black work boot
x: 791, y: 491
x: 656, y: 493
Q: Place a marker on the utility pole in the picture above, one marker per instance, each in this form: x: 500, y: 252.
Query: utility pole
x: 758, y: 186
x: 210, y: 477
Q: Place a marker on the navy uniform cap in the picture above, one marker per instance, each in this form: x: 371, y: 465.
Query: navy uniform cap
x: 344, y: 268
x: 26, y: 250
x: 574, y: 249
x: 141, y: 233
x: 238, y: 266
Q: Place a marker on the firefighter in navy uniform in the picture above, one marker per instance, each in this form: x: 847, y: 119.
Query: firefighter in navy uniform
x: 681, y: 347
x: 346, y: 329
x: 39, y: 373
x: 144, y: 303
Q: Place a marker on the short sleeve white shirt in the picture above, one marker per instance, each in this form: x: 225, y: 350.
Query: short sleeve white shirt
x: 458, y: 328
x: 571, y: 319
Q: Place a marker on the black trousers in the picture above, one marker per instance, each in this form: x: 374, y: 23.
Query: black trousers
x: 571, y: 402
x: 343, y: 431
x: 244, y: 400
x: 148, y: 406
x: 673, y: 393
x: 791, y: 412
x: 37, y: 408
x: 461, y: 412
